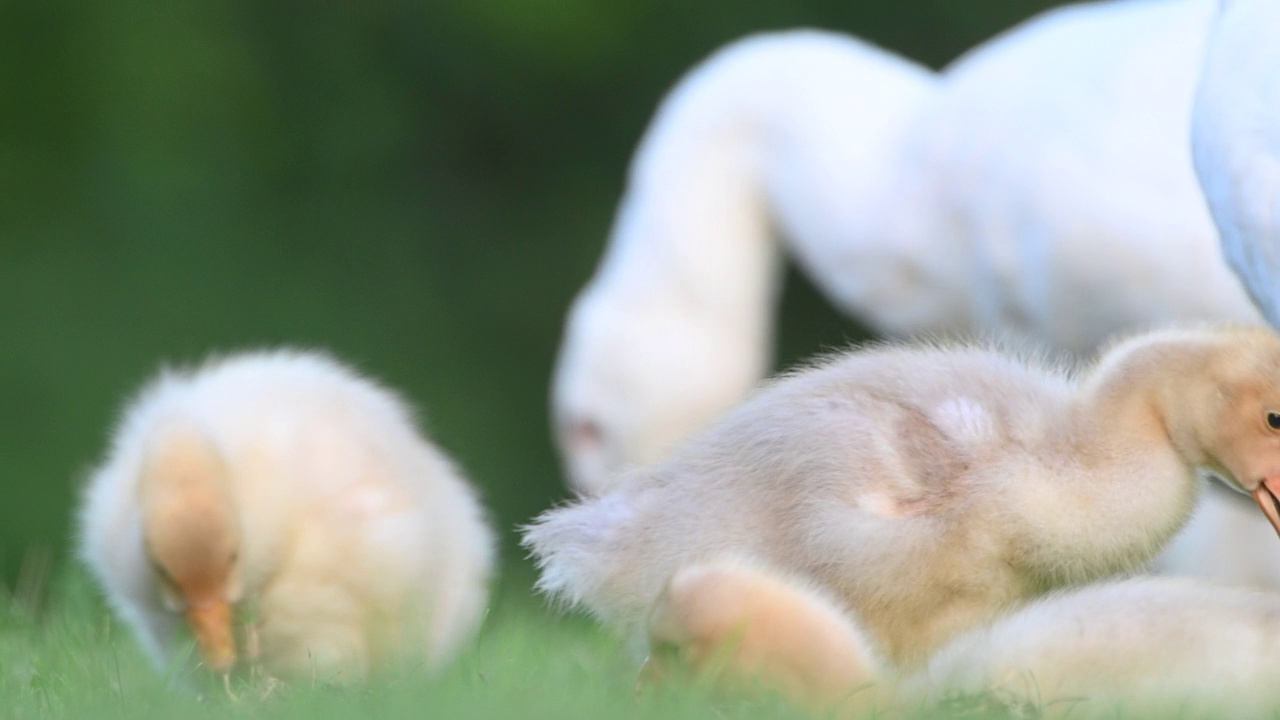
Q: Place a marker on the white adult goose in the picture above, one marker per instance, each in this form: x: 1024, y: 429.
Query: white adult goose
x: 1041, y: 187
x: 286, y: 511
x: 927, y: 488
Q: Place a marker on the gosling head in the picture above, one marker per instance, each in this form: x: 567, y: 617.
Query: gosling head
x: 635, y: 377
x: 192, y: 536
x: 1240, y: 433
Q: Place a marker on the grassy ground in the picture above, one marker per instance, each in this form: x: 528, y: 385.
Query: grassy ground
x: 71, y: 659
x: 62, y: 655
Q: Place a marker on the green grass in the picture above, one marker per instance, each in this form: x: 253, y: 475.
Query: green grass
x: 72, y: 659
x: 63, y: 655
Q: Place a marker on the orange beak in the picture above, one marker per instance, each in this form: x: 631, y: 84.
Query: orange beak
x: 1266, y: 497
x: 210, y: 622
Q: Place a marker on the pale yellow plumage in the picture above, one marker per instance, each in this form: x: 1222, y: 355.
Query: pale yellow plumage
x: 1155, y: 646
x: 288, y: 489
x: 929, y: 488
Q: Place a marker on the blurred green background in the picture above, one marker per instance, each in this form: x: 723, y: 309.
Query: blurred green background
x: 419, y: 188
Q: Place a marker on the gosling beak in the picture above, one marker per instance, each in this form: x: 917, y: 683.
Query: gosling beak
x: 1265, y: 496
x: 210, y: 622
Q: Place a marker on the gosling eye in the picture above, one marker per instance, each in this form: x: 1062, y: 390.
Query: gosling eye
x: 1273, y: 420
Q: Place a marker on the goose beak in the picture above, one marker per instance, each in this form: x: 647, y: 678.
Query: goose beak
x: 1265, y: 496
x: 211, y: 624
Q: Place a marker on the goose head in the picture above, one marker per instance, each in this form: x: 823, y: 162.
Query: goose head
x: 636, y: 374
x: 192, y: 538
x: 1240, y: 432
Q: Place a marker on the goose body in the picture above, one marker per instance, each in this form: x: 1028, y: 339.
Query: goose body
x: 280, y: 495
x: 1236, y: 142
x: 927, y: 488
x: 1062, y: 148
